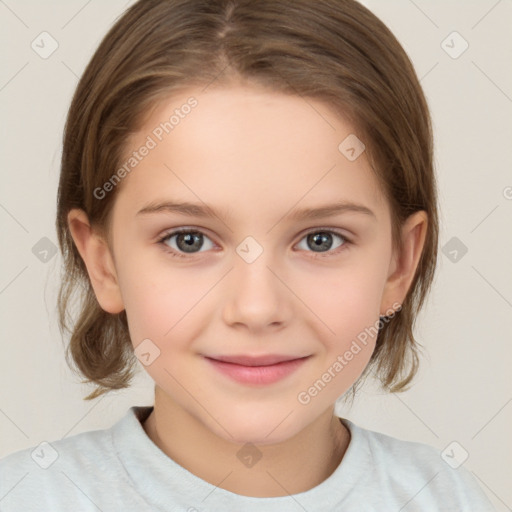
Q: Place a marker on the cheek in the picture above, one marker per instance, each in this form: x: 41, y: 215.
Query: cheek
x: 160, y: 302
x: 349, y: 306
x: 346, y: 301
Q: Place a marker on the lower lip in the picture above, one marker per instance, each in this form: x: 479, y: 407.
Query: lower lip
x: 257, y: 375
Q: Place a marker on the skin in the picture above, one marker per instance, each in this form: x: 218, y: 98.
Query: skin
x: 255, y: 157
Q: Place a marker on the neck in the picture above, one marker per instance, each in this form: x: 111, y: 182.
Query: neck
x: 278, y: 472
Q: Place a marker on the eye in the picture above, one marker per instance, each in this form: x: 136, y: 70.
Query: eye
x: 185, y: 241
x: 321, y: 241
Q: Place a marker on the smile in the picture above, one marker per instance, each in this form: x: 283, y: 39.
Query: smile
x: 259, y: 370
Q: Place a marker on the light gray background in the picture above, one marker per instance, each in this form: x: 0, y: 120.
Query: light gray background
x: 464, y: 390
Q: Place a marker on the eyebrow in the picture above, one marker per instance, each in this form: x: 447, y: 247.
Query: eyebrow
x: 205, y: 211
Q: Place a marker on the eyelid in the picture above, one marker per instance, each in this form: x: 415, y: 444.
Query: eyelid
x: 347, y: 242
x: 191, y: 229
x: 204, y: 231
x: 182, y: 229
x: 336, y: 231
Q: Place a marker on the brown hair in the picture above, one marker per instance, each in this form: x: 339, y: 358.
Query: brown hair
x: 336, y: 51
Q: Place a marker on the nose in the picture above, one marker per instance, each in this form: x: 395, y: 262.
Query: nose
x: 255, y: 296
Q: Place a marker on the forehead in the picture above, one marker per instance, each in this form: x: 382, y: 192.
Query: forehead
x: 247, y: 150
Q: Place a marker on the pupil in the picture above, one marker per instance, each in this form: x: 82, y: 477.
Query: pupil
x: 190, y: 239
x: 319, y: 239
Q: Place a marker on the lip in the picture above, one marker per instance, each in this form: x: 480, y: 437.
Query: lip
x: 262, y: 360
x: 257, y: 370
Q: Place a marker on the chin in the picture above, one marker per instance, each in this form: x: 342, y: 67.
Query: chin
x: 258, y: 428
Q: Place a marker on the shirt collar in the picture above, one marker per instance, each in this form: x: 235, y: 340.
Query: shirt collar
x: 162, y: 482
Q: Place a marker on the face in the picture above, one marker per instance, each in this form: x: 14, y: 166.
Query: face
x: 253, y: 318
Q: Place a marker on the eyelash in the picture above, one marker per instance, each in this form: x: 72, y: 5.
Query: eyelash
x: 173, y: 253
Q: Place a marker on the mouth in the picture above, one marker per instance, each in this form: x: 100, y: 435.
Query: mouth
x: 256, y: 370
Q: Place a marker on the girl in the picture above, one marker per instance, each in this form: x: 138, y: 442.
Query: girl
x: 247, y: 196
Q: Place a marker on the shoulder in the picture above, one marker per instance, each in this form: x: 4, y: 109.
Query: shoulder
x: 418, y: 474
x: 51, y: 474
x: 80, y: 448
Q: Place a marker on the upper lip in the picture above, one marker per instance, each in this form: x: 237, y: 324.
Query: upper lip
x: 263, y: 360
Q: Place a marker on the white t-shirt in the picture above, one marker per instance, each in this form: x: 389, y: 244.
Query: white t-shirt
x: 121, y: 469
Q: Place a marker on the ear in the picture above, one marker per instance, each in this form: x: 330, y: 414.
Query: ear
x: 403, y: 265
x: 98, y: 259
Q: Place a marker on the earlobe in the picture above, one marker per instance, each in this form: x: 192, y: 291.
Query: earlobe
x: 98, y: 260
x: 405, y: 264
